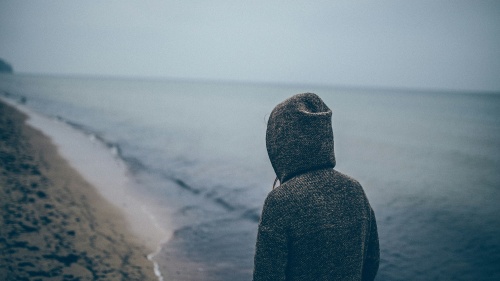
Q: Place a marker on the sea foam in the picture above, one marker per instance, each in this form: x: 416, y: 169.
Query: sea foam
x: 99, y: 163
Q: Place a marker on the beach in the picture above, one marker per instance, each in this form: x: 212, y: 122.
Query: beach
x: 55, y: 225
x: 184, y: 164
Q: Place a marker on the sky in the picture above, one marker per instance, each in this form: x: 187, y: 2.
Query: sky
x: 437, y: 45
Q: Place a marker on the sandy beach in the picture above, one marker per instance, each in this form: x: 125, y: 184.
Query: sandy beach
x: 54, y: 224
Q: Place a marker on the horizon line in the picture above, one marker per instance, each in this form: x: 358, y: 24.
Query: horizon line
x: 377, y: 88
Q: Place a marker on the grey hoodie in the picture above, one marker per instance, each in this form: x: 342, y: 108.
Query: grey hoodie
x: 318, y: 224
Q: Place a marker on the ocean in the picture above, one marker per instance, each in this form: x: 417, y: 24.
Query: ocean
x: 195, y: 155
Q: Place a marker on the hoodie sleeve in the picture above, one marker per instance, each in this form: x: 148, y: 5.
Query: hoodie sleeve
x: 271, y: 250
x: 372, y: 257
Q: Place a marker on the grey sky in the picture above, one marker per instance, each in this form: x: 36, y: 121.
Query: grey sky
x: 416, y: 44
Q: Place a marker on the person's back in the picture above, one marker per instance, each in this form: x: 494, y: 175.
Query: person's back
x: 318, y: 224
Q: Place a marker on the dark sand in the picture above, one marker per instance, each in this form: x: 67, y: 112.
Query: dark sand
x: 53, y: 224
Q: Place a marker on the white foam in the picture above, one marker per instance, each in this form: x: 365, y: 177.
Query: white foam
x: 106, y: 172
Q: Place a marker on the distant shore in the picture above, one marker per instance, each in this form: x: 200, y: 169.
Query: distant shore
x: 54, y: 224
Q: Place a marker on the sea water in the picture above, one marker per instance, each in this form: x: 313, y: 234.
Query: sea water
x: 195, y: 151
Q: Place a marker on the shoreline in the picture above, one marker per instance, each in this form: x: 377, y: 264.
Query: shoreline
x: 56, y: 224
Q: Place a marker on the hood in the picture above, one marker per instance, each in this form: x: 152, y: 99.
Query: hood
x: 299, y: 136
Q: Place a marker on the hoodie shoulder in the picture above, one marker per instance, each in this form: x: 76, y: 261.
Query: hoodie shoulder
x: 346, y: 178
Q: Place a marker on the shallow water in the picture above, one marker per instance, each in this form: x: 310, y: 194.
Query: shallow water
x: 429, y: 164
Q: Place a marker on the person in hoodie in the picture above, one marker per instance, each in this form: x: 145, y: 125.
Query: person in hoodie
x: 318, y: 224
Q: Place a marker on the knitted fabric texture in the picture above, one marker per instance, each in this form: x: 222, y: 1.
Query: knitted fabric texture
x: 318, y: 224
x: 299, y: 136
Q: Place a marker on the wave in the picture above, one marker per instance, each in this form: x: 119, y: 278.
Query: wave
x: 20, y: 99
x: 135, y: 165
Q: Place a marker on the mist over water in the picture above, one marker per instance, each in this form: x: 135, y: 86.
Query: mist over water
x: 428, y: 162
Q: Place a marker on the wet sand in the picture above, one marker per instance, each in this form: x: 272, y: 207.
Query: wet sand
x: 54, y: 224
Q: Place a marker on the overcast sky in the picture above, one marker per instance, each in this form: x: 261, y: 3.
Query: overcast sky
x: 413, y: 44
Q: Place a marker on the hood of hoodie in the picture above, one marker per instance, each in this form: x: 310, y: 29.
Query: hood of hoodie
x: 299, y: 136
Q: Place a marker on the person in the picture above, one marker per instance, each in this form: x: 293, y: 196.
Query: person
x: 318, y: 224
